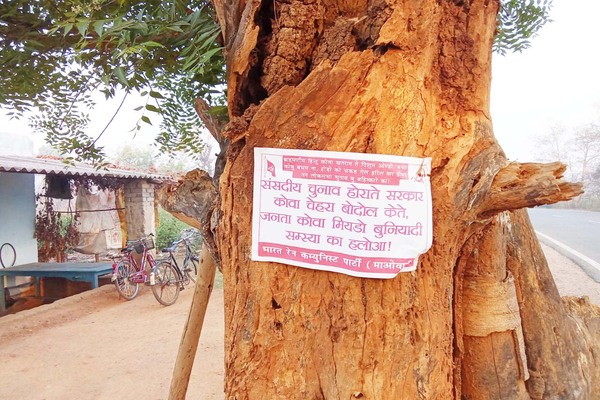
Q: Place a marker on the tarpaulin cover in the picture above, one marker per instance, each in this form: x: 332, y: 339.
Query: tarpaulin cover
x: 100, y: 229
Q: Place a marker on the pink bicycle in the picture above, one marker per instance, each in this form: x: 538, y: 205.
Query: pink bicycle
x: 128, y: 274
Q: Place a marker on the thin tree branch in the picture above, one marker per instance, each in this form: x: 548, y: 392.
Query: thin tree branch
x: 212, y: 123
x: 111, y: 120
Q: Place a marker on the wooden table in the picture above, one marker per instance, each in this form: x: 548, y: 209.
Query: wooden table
x: 75, y: 271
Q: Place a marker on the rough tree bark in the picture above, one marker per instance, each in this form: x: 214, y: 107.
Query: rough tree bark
x: 481, y: 317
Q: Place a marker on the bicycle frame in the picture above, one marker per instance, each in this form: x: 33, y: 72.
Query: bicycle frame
x: 172, y: 259
x: 188, y: 257
x: 141, y: 275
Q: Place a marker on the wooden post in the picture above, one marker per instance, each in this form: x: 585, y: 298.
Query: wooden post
x: 193, y: 327
x: 3, y: 296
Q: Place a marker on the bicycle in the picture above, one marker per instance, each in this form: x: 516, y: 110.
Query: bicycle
x: 189, y: 266
x: 128, y: 274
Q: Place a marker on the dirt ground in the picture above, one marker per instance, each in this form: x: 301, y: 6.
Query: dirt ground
x: 97, y: 346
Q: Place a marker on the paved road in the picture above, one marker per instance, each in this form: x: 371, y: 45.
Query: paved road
x: 575, y: 233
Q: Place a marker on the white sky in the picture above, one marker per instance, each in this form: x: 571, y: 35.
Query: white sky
x: 557, y: 80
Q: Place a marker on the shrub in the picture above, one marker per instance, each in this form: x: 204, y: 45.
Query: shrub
x: 168, y: 230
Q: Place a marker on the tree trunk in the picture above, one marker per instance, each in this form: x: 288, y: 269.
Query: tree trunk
x: 408, y: 78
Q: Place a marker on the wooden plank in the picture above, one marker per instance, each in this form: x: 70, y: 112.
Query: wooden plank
x: 60, y: 267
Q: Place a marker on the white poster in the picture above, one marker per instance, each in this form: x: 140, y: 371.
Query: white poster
x: 365, y: 215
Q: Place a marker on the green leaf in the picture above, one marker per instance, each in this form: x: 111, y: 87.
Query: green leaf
x: 152, y: 108
x: 99, y: 27
x: 206, y: 56
x: 146, y: 120
x: 151, y: 44
x: 175, y: 28
x: 67, y: 28
x: 156, y: 95
x: 82, y: 26
x: 120, y: 74
x: 53, y: 30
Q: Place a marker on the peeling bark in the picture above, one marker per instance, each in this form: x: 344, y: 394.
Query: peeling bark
x: 294, y: 28
x: 494, y: 364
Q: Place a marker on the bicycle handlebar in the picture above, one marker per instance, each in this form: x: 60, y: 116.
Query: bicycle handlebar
x: 185, y: 239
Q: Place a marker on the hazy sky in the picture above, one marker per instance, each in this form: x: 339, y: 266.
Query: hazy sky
x: 557, y: 80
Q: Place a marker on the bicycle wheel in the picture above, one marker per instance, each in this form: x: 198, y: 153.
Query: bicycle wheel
x: 126, y: 287
x: 8, y: 255
x: 191, y: 270
x: 166, y: 283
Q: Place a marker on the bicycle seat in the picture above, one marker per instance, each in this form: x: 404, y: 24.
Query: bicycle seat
x: 169, y: 249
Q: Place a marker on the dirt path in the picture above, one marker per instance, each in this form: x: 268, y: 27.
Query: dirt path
x: 96, y: 346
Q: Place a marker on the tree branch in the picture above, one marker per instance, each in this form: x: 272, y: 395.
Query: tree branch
x: 212, y: 123
x: 526, y: 185
x: 215, y: 126
x: 193, y: 200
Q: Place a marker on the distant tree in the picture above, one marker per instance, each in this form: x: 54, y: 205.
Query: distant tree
x: 586, y: 150
x: 48, y: 150
x: 137, y: 158
x: 579, y: 149
x: 553, y: 144
x: 148, y: 158
x: 179, y: 162
x: 594, y: 187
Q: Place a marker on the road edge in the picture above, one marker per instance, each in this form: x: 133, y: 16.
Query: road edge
x: 589, y: 266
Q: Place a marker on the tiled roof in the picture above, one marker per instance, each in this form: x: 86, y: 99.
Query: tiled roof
x: 36, y: 165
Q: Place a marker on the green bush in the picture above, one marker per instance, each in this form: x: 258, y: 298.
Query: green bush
x: 168, y: 230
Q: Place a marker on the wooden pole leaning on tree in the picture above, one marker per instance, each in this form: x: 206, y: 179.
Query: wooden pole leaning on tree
x: 193, y: 327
